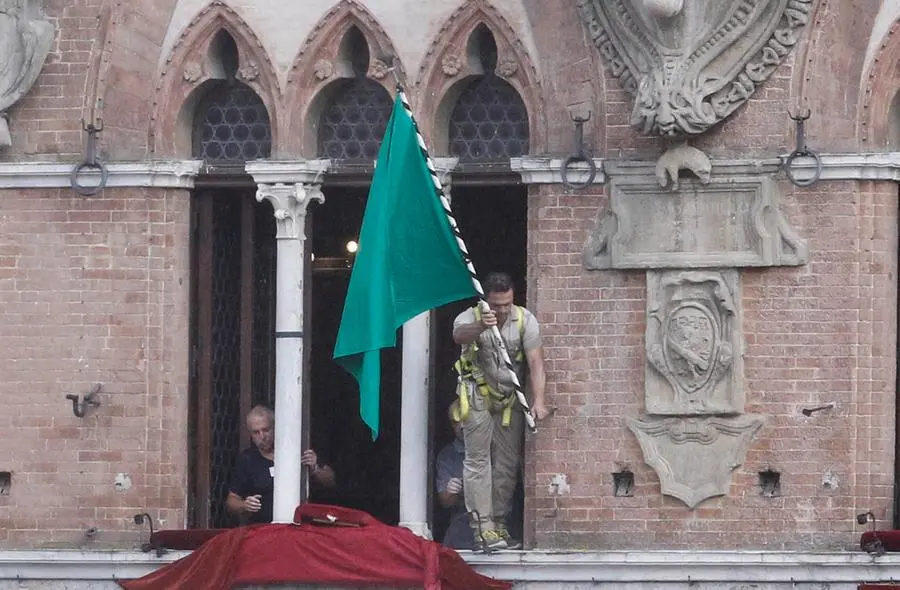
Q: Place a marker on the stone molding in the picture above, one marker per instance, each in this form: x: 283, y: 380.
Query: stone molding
x: 548, y: 170
x: 589, y: 567
x: 690, y: 65
x: 158, y: 174
x: 290, y: 187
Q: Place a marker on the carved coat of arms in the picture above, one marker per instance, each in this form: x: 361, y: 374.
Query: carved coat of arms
x: 692, y: 63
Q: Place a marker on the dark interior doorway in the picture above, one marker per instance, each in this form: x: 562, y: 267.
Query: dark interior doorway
x: 232, y: 338
x: 493, y: 221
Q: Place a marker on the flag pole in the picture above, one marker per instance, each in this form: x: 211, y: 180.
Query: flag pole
x: 445, y: 203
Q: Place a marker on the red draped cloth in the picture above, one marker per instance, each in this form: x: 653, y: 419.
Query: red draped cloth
x: 326, y: 544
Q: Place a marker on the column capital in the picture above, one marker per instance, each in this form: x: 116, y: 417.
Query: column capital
x: 290, y: 202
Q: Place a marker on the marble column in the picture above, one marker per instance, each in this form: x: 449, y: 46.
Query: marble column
x: 289, y: 187
x: 415, y: 394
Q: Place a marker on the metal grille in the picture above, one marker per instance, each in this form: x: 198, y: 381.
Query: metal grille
x: 489, y: 122
x: 263, y: 379
x: 232, y: 125
x: 353, y: 125
x: 226, y: 348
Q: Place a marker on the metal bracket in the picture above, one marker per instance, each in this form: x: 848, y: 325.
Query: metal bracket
x: 801, y: 151
x: 80, y: 406
x: 579, y: 155
x: 90, y: 162
x: 152, y: 544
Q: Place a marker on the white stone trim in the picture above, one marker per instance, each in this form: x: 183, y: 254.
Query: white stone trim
x: 527, y: 566
x: 548, y: 170
x: 287, y: 171
x: 687, y: 566
x: 157, y: 174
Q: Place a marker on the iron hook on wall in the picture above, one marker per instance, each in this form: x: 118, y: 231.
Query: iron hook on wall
x: 579, y: 156
x: 80, y: 406
x: 802, y: 151
x: 90, y: 162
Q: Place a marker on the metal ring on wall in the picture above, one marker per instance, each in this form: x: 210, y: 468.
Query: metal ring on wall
x: 564, y: 171
x: 790, y: 172
x: 86, y: 190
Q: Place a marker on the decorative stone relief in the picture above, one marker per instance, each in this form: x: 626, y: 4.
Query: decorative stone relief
x: 378, y: 69
x: 248, y: 72
x: 694, y: 457
x: 733, y: 220
x: 192, y: 72
x: 507, y: 68
x: 25, y: 38
x: 693, y: 343
x: 323, y: 69
x: 290, y: 202
x: 691, y: 63
x: 451, y: 65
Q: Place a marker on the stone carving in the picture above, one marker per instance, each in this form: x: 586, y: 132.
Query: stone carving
x: 25, y: 38
x: 694, y: 457
x: 323, y: 69
x: 732, y: 221
x: 682, y: 157
x: 451, y: 65
x: 691, y: 63
x: 248, y: 72
x: 378, y: 69
x: 693, y: 342
x: 507, y: 68
x: 192, y: 72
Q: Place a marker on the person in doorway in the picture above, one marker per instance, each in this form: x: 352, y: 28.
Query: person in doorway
x: 253, y: 482
x: 493, y: 425
x: 449, y: 485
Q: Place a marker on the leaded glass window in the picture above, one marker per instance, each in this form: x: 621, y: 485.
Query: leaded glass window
x: 232, y: 125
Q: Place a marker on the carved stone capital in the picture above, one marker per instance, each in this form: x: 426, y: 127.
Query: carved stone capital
x: 694, y: 457
x: 691, y: 63
x: 290, y: 202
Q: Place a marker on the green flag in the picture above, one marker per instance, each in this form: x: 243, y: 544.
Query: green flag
x: 408, y: 261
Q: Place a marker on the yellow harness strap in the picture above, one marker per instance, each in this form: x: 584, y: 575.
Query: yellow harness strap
x: 465, y: 365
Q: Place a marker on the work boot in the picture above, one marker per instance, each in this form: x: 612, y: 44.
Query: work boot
x: 489, y: 540
x: 504, y: 534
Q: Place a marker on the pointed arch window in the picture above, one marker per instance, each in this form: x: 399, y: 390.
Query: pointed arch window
x: 489, y: 120
x: 352, y: 125
x: 231, y: 123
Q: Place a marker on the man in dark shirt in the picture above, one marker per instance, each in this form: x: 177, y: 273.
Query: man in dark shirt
x: 449, y: 485
x: 252, y: 485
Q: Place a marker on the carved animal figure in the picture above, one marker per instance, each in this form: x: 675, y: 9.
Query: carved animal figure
x: 24, y: 44
x: 682, y: 157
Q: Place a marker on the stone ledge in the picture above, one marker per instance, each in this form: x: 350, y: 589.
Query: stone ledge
x: 161, y: 174
x: 525, y: 566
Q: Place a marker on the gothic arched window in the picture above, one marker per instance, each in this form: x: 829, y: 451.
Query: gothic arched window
x: 352, y: 125
x: 489, y: 120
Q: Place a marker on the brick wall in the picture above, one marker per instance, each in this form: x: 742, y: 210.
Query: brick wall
x: 92, y: 291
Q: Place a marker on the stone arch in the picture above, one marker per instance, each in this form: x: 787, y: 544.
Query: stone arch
x: 192, y: 64
x: 321, y: 62
x: 879, y: 118
x: 448, y: 64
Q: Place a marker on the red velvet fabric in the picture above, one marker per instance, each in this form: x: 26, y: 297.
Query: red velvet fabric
x: 355, y: 549
x: 880, y: 541
x: 186, y: 540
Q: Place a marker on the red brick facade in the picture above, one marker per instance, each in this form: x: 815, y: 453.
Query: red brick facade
x: 97, y: 291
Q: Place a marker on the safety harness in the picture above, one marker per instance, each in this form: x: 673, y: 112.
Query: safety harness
x: 470, y: 373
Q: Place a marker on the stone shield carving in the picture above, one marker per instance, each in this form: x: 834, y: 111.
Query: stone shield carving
x: 693, y: 343
x: 691, y: 64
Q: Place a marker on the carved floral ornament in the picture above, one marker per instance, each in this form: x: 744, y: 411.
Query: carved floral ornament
x: 691, y: 63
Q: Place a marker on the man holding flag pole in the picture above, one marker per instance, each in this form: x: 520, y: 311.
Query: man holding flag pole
x: 411, y: 259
